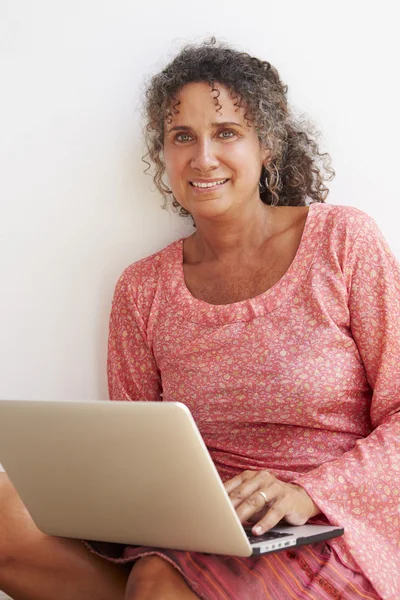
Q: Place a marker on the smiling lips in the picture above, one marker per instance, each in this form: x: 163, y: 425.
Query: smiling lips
x: 208, y: 184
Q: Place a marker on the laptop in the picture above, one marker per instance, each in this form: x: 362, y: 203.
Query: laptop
x: 136, y: 473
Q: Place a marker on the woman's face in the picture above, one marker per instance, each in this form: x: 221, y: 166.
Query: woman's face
x: 217, y: 148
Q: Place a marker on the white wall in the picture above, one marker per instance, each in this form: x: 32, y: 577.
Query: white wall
x: 75, y: 207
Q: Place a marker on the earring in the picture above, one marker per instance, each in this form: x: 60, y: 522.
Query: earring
x: 263, y: 186
x: 268, y: 185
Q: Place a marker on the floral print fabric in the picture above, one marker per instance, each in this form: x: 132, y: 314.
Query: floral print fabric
x: 302, y: 380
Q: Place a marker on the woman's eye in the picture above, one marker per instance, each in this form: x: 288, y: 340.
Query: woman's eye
x: 225, y: 134
x: 229, y: 133
x: 183, y: 137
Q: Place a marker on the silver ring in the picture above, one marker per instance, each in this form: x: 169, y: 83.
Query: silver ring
x: 263, y: 495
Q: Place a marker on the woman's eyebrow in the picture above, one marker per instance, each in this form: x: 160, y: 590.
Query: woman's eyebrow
x: 223, y: 124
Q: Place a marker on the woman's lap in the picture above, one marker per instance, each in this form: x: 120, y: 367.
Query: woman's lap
x: 310, y: 572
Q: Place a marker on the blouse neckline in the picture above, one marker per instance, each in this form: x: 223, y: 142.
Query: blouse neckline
x: 195, y: 309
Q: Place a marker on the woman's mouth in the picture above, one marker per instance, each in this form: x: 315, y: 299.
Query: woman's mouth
x: 205, y: 185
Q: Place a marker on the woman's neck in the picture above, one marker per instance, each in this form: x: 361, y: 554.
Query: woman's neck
x: 224, y: 239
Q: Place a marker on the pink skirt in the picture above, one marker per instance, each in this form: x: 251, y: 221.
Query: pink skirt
x: 310, y: 572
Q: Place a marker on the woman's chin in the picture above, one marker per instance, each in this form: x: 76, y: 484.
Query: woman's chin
x: 209, y: 208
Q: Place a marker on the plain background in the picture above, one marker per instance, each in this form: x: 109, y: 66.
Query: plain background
x: 75, y: 205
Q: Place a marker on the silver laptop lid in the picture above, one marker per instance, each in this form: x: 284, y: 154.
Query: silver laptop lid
x: 137, y: 473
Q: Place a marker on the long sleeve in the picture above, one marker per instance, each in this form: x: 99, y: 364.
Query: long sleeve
x: 131, y: 367
x: 360, y: 490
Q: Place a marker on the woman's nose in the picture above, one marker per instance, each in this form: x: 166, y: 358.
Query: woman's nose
x: 204, y: 157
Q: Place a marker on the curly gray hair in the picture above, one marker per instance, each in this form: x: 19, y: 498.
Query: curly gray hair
x: 296, y: 173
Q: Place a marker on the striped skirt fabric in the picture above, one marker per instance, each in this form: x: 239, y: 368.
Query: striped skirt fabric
x: 310, y: 572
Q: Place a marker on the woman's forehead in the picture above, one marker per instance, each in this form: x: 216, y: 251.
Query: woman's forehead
x: 199, y: 100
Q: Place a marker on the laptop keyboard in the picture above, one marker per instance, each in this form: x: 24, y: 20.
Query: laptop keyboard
x: 265, y: 537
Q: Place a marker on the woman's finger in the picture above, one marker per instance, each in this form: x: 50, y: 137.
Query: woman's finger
x: 232, y: 484
x: 244, y: 491
x: 295, y: 506
x: 254, y: 503
x: 272, y: 490
x: 275, y: 514
x: 250, y: 483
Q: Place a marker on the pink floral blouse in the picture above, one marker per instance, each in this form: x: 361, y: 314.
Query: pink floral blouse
x: 302, y: 380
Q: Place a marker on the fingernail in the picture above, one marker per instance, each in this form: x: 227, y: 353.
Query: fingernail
x: 257, y: 529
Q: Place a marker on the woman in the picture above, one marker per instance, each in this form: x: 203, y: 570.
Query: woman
x: 277, y: 322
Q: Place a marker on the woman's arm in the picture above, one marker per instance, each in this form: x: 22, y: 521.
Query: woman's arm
x: 131, y: 367
x: 360, y: 490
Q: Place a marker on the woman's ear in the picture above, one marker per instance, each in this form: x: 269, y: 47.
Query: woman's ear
x: 266, y: 156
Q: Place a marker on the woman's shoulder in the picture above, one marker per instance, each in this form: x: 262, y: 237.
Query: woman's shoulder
x: 340, y: 214
x: 350, y: 234
x: 142, y: 276
x: 150, y: 266
x: 343, y: 221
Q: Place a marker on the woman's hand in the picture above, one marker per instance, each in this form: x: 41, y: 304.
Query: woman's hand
x: 284, y: 500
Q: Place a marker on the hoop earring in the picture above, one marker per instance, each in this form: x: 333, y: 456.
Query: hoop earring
x: 263, y: 183
x: 268, y: 185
